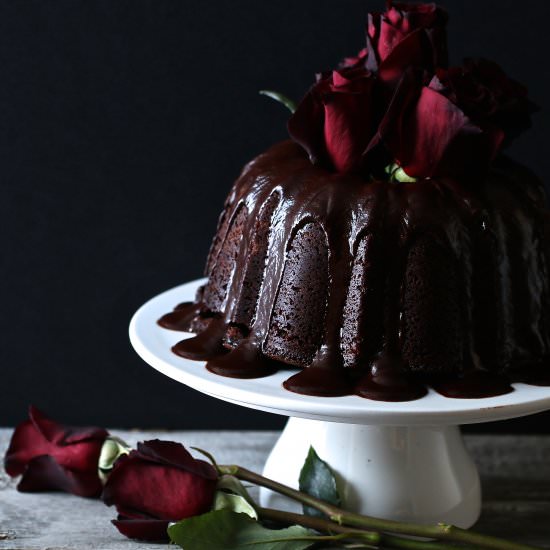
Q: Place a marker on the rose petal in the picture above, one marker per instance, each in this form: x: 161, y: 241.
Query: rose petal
x: 305, y: 126
x: 414, y: 50
x: 159, y: 490
x: 51, y: 431
x: 391, y: 128
x: 358, y: 60
x: 58, y: 434
x: 43, y: 473
x: 26, y: 443
x: 42, y: 436
x: 143, y: 529
x: 40, y: 447
x: 349, y: 125
x: 80, y: 457
x: 175, y: 454
x: 437, y: 138
x: 390, y: 31
x: 486, y: 94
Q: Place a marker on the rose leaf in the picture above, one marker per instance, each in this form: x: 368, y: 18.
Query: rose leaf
x: 235, y: 503
x: 230, y: 484
x: 227, y: 530
x: 281, y: 98
x: 317, y: 479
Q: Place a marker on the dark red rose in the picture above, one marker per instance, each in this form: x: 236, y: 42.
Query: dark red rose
x: 406, y: 35
x: 337, y: 118
x: 396, y: 102
x: 457, y: 123
x: 436, y: 138
x: 155, y: 485
x: 51, y: 457
x: 486, y: 95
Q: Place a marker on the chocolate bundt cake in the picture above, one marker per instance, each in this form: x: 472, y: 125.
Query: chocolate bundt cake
x: 389, y: 245
x: 367, y: 283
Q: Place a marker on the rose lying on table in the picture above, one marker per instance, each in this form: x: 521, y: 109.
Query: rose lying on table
x: 157, y: 483
x: 162, y: 493
x: 52, y: 457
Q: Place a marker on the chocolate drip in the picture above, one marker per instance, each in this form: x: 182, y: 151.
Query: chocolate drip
x: 372, y: 287
x: 472, y: 385
x: 206, y: 345
x: 389, y: 381
x: 246, y: 294
x: 215, y: 292
x: 219, y: 237
x: 245, y: 361
x: 182, y: 318
x: 321, y: 382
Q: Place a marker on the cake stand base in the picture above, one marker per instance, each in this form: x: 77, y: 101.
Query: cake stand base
x: 412, y: 473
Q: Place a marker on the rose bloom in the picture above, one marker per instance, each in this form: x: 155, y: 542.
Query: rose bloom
x: 336, y: 120
x: 458, y: 122
x: 396, y: 102
x: 157, y: 484
x: 52, y: 457
x: 406, y: 35
x: 486, y: 94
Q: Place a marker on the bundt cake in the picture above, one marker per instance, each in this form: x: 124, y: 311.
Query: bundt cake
x: 321, y: 270
x: 389, y: 245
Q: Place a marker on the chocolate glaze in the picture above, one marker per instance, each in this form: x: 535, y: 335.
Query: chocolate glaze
x: 245, y: 361
x: 181, y: 318
x: 207, y: 345
x: 388, y: 380
x: 472, y: 385
x: 372, y: 287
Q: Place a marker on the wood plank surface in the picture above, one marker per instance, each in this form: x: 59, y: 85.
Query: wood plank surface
x: 515, y: 472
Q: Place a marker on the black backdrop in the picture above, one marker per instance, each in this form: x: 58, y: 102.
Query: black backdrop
x: 122, y: 126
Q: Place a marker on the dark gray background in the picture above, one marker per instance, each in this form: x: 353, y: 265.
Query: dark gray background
x: 122, y: 127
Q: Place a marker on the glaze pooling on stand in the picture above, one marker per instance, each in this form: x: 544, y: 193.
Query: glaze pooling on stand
x: 373, y: 287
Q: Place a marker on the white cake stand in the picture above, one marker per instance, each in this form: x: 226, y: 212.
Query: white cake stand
x: 403, y: 461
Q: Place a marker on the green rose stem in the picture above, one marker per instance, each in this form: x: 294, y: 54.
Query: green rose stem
x: 441, y: 532
x: 342, y: 533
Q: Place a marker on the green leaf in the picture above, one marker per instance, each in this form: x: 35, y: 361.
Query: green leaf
x: 207, y: 455
x: 397, y: 174
x: 317, y: 479
x: 281, y: 98
x: 231, y: 484
x: 402, y: 176
x: 235, y: 503
x: 227, y: 530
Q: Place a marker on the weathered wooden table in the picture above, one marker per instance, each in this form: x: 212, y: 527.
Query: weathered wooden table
x: 515, y: 475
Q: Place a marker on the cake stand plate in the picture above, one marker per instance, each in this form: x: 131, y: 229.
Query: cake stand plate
x: 403, y: 461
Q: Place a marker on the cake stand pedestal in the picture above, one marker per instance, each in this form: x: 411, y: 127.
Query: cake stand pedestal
x: 408, y: 473
x: 403, y: 461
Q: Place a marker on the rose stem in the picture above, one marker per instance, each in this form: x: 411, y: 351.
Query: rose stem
x: 326, y: 526
x: 440, y: 532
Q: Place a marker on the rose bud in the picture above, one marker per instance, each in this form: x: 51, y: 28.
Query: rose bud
x: 406, y: 35
x: 51, y: 457
x: 337, y: 119
x: 157, y: 484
